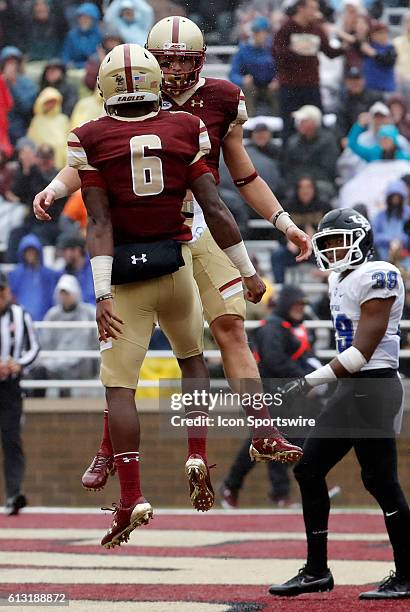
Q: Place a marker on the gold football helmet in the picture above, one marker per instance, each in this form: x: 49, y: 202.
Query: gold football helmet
x: 129, y: 73
x: 177, y: 37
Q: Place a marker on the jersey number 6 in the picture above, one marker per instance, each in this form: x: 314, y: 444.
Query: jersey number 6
x: 147, y: 176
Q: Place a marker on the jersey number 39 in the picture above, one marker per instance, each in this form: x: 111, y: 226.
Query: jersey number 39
x: 147, y: 175
x: 384, y: 280
x: 344, y: 332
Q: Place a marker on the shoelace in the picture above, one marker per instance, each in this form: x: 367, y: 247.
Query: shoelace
x: 386, y: 582
x: 98, y: 463
x: 115, y: 507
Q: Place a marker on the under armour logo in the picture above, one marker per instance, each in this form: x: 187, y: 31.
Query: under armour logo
x: 200, y: 103
x: 128, y: 459
x: 143, y: 258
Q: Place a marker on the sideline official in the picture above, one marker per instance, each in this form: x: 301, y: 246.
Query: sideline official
x: 18, y: 348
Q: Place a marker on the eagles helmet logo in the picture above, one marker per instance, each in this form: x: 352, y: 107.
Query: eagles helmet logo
x: 120, y: 83
x: 128, y: 74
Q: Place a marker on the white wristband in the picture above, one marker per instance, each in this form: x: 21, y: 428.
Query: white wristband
x: 323, y: 375
x: 352, y: 360
x: 59, y: 188
x: 102, y: 266
x: 238, y: 255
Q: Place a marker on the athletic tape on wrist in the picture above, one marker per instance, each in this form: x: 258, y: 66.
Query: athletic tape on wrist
x: 281, y: 220
x: 240, y: 258
x: 320, y: 376
x: 352, y: 360
x: 101, y: 266
x: 59, y: 188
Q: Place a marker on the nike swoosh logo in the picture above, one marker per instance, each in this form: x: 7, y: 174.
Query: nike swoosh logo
x: 391, y: 513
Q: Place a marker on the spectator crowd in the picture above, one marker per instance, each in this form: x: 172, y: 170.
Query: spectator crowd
x: 316, y: 140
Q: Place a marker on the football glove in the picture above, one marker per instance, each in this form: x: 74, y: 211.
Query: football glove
x: 293, y: 389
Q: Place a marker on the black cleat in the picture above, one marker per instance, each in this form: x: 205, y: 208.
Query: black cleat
x: 304, y: 582
x: 392, y: 587
x: 15, y: 504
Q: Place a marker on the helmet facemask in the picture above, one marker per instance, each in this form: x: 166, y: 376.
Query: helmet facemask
x: 352, y: 239
x: 176, y: 83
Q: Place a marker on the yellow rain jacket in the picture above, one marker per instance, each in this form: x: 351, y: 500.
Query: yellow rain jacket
x: 50, y: 126
x: 87, y: 109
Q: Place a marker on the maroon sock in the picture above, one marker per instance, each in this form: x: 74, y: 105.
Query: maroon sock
x: 105, y: 444
x: 261, y: 430
x: 128, y: 470
x: 197, y: 434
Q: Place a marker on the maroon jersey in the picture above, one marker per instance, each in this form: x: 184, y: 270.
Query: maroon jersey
x: 219, y: 103
x: 145, y: 165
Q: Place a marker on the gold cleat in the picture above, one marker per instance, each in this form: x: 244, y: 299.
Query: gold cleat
x: 200, y: 487
x: 274, y: 449
x: 126, y: 520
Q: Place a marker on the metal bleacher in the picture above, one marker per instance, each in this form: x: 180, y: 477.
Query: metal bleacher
x: 218, y: 65
x: 324, y: 354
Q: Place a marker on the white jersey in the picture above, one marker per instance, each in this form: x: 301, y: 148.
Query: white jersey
x: 198, y: 223
x: 373, y: 279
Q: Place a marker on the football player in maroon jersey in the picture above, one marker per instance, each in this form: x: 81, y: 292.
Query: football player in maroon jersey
x: 179, y: 46
x: 135, y: 165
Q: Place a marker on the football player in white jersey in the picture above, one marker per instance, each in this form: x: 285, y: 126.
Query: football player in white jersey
x: 366, y: 301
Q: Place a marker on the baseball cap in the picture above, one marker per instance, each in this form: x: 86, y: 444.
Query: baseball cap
x: 55, y: 62
x: 8, y: 52
x: 308, y: 112
x: 260, y: 127
x: 357, y: 3
x: 26, y: 142
x: 354, y: 73
x: 70, y: 241
x: 379, y: 108
x: 3, y: 280
x: 68, y: 283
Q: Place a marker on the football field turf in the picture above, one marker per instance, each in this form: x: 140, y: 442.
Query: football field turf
x: 189, y: 562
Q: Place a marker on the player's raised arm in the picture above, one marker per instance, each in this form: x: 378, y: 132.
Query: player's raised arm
x: 226, y: 233
x: 64, y: 184
x: 257, y: 193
